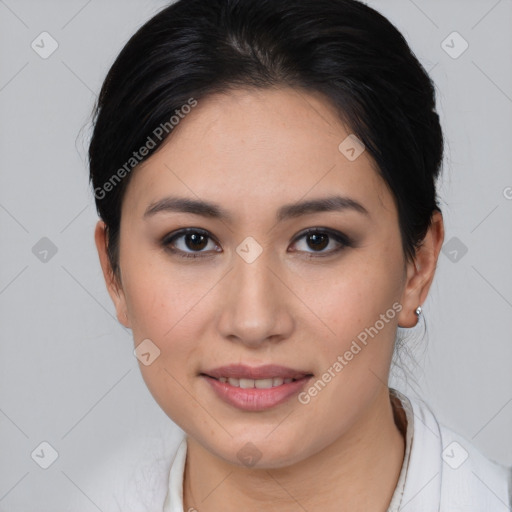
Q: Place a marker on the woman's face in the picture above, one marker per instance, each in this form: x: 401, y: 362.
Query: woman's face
x: 248, y: 287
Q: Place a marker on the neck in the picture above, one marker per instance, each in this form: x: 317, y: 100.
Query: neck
x: 358, y: 472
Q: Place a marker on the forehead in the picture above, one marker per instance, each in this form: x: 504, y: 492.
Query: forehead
x: 256, y: 146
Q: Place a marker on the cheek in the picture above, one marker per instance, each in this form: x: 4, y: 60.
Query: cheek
x: 168, y: 304
x: 164, y: 308
x: 160, y: 296
x: 360, y: 307
x: 355, y: 294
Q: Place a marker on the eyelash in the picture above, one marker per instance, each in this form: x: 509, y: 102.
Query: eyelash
x: 342, y: 239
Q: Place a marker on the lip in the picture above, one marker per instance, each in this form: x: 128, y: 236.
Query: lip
x: 267, y: 371
x: 256, y: 399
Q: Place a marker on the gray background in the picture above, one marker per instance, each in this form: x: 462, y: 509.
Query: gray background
x: 67, y: 371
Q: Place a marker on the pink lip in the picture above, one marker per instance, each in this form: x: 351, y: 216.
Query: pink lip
x: 267, y: 371
x: 254, y: 399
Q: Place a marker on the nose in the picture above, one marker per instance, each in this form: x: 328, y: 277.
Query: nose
x: 256, y: 305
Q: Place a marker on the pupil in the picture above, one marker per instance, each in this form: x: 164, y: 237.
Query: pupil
x: 192, y: 239
x: 317, y: 242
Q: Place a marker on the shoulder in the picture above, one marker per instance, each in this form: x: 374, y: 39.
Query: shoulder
x: 470, y: 480
x: 144, y: 485
x: 459, y: 477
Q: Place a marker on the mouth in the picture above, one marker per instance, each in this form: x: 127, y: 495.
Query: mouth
x: 255, y: 388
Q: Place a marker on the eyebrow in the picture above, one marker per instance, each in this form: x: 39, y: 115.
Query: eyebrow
x: 293, y: 210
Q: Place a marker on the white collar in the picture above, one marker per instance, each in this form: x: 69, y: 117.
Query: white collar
x: 396, y: 500
x: 419, y: 485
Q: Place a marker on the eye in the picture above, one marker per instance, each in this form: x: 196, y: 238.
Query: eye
x: 191, y: 239
x: 320, y: 238
x: 193, y: 242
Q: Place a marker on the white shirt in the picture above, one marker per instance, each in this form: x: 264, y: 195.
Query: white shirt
x: 441, y: 472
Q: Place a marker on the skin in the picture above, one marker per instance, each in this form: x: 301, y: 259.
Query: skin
x: 252, y: 151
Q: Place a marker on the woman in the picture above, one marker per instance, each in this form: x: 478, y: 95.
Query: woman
x: 265, y: 172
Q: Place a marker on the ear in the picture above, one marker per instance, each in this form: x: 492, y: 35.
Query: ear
x: 420, y: 272
x: 114, y: 286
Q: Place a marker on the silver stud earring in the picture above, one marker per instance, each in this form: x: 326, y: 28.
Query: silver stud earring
x: 418, y: 311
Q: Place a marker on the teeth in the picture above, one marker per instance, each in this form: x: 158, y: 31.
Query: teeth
x: 263, y: 383
x: 246, y: 383
x: 255, y: 383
